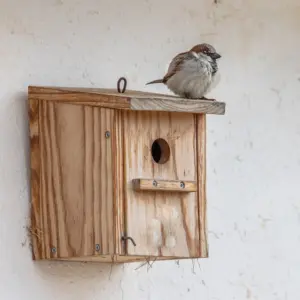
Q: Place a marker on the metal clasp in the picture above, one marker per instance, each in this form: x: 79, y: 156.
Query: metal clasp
x: 124, y: 238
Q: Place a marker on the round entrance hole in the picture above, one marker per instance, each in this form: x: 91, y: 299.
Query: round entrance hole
x: 160, y: 151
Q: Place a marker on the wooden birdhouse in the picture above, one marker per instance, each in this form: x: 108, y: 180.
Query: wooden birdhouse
x: 117, y: 177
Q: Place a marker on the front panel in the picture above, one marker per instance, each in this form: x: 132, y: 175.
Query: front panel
x: 162, y: 148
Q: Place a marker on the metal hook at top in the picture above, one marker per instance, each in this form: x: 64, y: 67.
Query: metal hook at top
x: 119, y: 84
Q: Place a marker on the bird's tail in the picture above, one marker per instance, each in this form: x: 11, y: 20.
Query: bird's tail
x: 156, y: 81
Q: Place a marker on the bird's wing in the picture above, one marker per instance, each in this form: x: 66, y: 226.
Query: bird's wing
x: 176, y: 64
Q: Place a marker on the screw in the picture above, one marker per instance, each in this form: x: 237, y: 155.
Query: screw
x: 97, y: 247
x: 107, y: 134
x: 154, y: 183
x: 182, y: 185
x: 53, y: 250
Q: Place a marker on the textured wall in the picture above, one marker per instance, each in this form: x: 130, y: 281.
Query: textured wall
x: 253, y: 151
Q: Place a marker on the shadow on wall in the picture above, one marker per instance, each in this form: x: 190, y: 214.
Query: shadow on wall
x: 77, y: 280
x: 58, y: 268
x: 72, y: 271
x: 57, y: 278
x: 59, y: 273
x: 20, y: 101
x: 16, y: 132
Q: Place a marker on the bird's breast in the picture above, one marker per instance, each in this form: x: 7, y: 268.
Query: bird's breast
x: 191, y: 81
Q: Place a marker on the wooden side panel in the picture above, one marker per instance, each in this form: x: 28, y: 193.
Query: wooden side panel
x: 201, y: 151
x: 161, y: 223
x: 118, y: 165
x: 76, y: 180
x: 36, y: 234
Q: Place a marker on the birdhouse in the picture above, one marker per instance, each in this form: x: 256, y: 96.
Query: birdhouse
x: 117, y: 177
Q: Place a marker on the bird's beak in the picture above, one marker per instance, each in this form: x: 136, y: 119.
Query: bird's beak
x: 216, y: 55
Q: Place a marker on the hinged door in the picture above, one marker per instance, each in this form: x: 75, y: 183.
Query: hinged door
x: 160, y: 158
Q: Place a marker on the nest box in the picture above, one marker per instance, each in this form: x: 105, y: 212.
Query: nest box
x: 117, y: 177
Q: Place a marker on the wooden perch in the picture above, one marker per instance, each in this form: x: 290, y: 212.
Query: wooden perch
x: 164, y: 185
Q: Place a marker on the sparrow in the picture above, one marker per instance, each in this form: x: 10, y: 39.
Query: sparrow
x: 191, y: 74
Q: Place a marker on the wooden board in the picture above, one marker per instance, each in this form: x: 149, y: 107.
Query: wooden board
x: 119, y: 259
x: 36, y: 223
x: 161, y: 223
x: 201, y: 175
x: 118, y: 179
x: 130, y: 100
x: 75, y: 203
x: 182, y: 186
x: 152, y: 103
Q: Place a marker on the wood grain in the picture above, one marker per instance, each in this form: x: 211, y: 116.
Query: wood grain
x: 177, y: 105
x: 201, y: 174
x: 88, y: 189
x: 161, y: 223
x: 130, y: 100
x: 36, y: 232
x: 139, y: 184
x: 119, y: 259
x: 106, y: 101
x: 76, y: 180
x: 118, y: 166
x: 44, y: 90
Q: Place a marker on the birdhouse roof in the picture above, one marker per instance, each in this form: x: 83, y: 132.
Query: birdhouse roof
x: 130, y: 100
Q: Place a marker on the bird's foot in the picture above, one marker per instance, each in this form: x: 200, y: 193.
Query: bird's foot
x: 206, y: 99
x: 188, y: 96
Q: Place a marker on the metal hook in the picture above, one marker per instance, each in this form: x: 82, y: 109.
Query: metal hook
x: 125, y: 85
x: 119, y: 85
x: 124, y: 238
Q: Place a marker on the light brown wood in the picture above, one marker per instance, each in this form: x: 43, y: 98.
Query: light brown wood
x: 119, y: 259
x: 182, y: 186
x: 177, y: 105
x: 44, y: 90
x: 118, y: 166
x: 88, y: 189
x: 201, y: 174
x: 79, y: 97
x: 76, y: 180
x: 130, y: 100
x: 164, y: 223
x: 36, y: 234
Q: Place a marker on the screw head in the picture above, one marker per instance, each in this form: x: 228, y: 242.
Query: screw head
x: 97, y: 247
x: 53, y: 250
x: 182, y: 184
x: 154, y: 183
x: 107, y: 134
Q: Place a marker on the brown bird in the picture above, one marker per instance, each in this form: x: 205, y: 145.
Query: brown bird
x: 191, y: 74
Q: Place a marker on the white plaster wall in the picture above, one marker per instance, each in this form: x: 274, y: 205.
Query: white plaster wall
x: 253, y: 151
